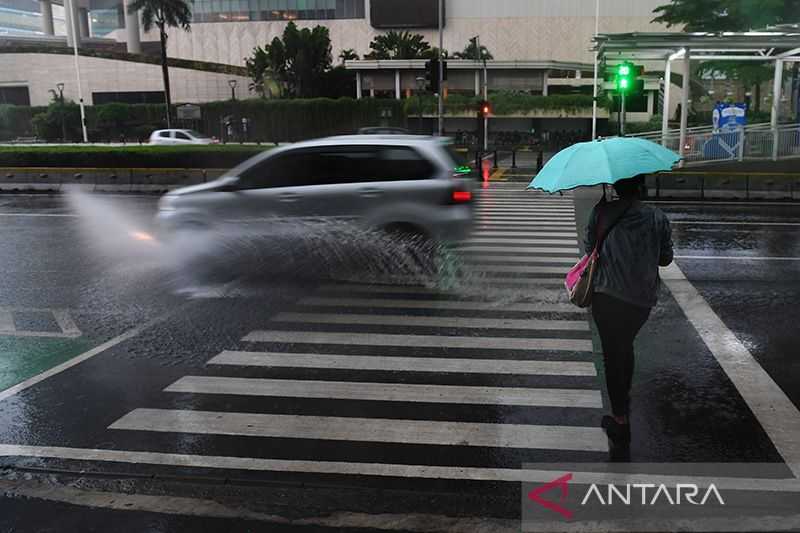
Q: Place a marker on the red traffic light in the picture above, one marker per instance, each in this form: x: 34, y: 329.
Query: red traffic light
x: 484, y: 108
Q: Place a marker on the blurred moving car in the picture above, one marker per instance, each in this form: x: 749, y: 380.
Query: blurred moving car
x: 401, y: 184
x: 177, y: 137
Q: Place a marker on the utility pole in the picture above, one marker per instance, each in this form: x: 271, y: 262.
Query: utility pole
x: 60, y: 87
x: 594, y: 92
x: 622, y: 113
x: 441, y: 67
x: 485, y: 92
x: 77, y: 66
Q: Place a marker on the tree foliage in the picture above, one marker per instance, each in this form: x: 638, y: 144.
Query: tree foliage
x: 399, y: 45
x: 726, y: 15
x: 348, y: 54
x: 471, y: 52
x: 730, y: 15
x: 299, y: 61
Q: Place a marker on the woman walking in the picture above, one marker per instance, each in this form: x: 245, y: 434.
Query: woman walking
x: 625, y: 288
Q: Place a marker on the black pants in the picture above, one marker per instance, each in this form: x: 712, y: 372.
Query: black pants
x: 618, y: 323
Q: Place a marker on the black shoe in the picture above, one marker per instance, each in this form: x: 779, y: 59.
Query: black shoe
x: 620, y: 434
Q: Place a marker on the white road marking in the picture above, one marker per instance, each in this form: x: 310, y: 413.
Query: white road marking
x: 514, y: 475
x: 572, y: 252
x: 543, y: 307
x: 404, y: 364
x: 483, y: 259
x: 545, y: 234
x: 506, y: 219
x: 433, y: 432
x: 419, y: 341
x: 433, y: 321
x: 737, y: 258
x: 65, y: 322
x: 713, y: 223
x: 777, y: 414
x: 519, y: 269
x: 11, y: 391
x: 500, y: 240
x: 389, y: 392
x: 69, y: 215
x: 556, y: 226
x: 523, y: 215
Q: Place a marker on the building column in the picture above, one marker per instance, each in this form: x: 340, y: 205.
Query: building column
x: 397, y: 84
x: 358, y: 85
x: 687, y: 71
x: 651, y: 104
x: 71, y: 18
x: 132, y: 30
x: 83, y: 22
x: 477, y: 83
x: 545, y: 76
x: 46, y: 8
x: 777, y: 86
x: 665, y: 110
x: 120, y: 16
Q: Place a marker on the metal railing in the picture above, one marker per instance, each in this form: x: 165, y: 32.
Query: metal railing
x: 757, y: 141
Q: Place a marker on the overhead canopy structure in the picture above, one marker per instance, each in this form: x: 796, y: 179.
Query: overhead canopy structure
x: 780, y: 44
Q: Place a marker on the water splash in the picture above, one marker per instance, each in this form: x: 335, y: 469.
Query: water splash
x: 236, y: 259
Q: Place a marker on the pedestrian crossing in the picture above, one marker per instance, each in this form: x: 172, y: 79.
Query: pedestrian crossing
x: 411, y: 381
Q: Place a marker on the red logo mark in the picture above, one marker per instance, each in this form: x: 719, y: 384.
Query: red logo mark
x: 535, y: 495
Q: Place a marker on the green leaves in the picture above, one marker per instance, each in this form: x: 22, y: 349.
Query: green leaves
x: 726, y: 15
x: 399, y: 45
x: 298, y: 61
x: 503, y: 103
x: 471, y: 52
x: 163, y: 13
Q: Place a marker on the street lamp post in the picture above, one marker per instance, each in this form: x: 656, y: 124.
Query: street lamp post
x: 60, y: 87
x: 232, y: 126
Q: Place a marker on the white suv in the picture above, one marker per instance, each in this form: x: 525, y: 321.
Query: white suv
x: 178, y: 137
x: 401, y: 183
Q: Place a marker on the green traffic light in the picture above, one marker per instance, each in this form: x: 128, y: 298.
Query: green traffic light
x: 624, y: 83
x: 624, y: 70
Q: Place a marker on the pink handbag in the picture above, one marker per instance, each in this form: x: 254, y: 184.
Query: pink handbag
x: 579, y: 281
x: 580, y: 278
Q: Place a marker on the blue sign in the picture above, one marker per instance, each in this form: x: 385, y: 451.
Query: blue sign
x: 729, y: 116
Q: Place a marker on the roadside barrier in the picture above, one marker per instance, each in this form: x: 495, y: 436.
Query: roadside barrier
x: 154, y: 180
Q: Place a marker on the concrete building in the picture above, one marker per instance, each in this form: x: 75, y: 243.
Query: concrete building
x: 539, y: 46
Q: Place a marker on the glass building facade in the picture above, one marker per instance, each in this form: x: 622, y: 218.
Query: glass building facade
x: 22, y: 17
x: 246, y: 10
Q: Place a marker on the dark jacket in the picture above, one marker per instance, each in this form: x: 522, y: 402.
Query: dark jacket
x: 637, y: 245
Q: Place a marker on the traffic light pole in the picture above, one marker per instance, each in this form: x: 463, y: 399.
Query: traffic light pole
x: 622, y: 114
x: 441, y: 67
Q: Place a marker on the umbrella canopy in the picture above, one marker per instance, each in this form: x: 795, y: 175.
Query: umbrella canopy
x: 602, y: 161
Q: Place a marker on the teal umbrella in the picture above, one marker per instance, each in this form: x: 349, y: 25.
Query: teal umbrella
x: 602, y: 161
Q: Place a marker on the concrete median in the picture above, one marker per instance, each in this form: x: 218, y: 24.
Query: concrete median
x: 117, y: 180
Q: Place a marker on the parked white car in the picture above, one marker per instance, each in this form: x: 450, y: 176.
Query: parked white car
x: 179, y: 137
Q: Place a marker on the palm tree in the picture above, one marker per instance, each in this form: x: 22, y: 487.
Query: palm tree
x: 398, y: 45
x: 471, y: 52
x: 164, y: 14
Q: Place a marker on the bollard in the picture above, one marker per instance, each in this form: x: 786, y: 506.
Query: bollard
x: 478, y: 160
x: 702, y: 188
x: 495, y: 160
x: 513, y: 159
x: 539, y: 161
x: 658, y: 186
x: 205, y: 175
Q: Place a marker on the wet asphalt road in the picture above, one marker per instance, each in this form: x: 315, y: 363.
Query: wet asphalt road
x: 686, y: 407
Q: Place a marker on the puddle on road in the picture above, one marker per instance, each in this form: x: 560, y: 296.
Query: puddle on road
x: 248, y: 257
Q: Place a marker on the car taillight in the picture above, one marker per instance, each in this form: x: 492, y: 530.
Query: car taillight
x: 461, y: 197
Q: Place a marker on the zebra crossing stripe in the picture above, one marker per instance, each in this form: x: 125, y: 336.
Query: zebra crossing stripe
x: 389, y: 392
x: 542, y: 234
x: 419, y: 341
x: 431, y: 432
x: 541, y: 307
x: 571, y: 252
x: 553, y: 226
x: 433, y: 321
x: 501, y: 240
x: 481, y: 259
x: 404, y: 364
x: 519, y: 269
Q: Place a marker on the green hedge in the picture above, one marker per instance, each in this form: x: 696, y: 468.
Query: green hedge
x: 217, y: 156
x: 503, y: 103
x: 298, y: 119
x: 17, y: 121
